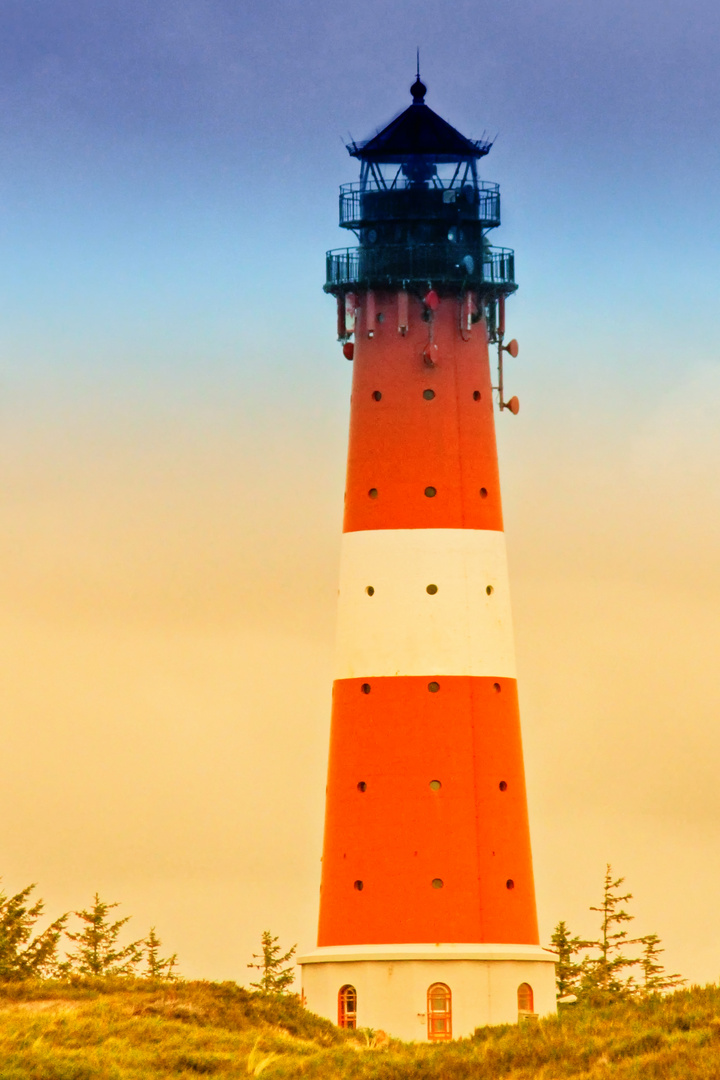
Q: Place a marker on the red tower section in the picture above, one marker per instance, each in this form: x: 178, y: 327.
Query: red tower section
x: 425, y: 785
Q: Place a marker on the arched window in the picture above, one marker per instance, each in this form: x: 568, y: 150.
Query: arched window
x: 347, y: 1007
x: 525, y: 998
x: 439, y: 1012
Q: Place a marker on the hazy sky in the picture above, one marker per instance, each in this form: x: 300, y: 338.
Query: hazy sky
x: 173, y: 414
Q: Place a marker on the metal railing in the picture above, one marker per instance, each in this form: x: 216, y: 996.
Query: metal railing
x: 361, y: 205
x: 438, y: 264
x: 437, y: 184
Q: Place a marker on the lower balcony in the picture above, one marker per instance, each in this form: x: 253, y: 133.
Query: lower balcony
x: 442, y: 266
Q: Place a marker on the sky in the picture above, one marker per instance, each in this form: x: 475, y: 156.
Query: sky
x: 173, y: 424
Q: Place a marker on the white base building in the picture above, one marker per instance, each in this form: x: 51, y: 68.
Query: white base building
x: 428, y: 992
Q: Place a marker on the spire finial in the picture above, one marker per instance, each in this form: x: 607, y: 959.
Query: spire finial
x: 418, y: 88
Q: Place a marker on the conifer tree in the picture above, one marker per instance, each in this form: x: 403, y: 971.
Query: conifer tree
x: 23, y: 956
x: 655, y: 978
x: 602, y: 975
x: 602, y: 978
x: 274, y: 979
x: 156, y: 967
x: 98, y: 951
x: 567, y: 971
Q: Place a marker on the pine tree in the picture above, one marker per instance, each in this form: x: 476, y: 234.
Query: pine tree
x: 274, y: 978
x: 567, y: 971
x: 23, y: 956
x: 602, y: 975
x: 655, y: 979
x: 156, y: 967
x: 98, y: 952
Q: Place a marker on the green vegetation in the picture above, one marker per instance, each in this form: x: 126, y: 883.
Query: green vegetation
x: 125, y: 1029
x: 607, y: 976
x: 157, y: 967
x: 22, y: 955
x: 25, y: 954
x: 113, y: 1011
x: 274, y: 978
x: 98, y: 951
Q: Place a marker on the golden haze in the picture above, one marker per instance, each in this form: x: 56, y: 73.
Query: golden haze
x: 167, y: 622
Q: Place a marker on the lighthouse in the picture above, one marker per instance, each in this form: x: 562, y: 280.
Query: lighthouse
x: 427, y: 924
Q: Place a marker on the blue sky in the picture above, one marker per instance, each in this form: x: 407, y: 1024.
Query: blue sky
x: 160, y: 166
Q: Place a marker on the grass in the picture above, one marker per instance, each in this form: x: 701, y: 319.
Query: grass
x: 105, y: 1030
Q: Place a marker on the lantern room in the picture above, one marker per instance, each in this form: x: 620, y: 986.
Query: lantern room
x: 420, y: 211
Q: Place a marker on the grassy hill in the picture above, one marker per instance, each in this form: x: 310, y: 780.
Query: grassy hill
x: 140, y: 1031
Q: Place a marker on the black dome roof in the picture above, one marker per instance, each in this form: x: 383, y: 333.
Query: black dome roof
x: 418, y: 130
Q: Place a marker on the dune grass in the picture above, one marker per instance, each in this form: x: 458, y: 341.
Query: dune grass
x: 105, y: 1030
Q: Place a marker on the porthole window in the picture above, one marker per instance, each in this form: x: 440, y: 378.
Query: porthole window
x: 428, y: 394
x: 373, y: 493
x: 437, y: 883
x: 358, y: 885
x: 435, y: 785
x: 376, y: 395
x: 433, y: 687
x: 483, y: 493
x: 439, y: 1013
x: 497, y: 687
x: 476, y: 395
x: 370, y: 590
x: 509, y: 884
x: 362, y: 786
x: 347, y: 1007
x: 525, y: 998
x: 431, y: 492
x: 489, y: 590
x: 432, y: 589
x: 365, y: 688
x: 503, y: 785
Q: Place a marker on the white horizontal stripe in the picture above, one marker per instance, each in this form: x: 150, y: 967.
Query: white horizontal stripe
x: 401, y: 629
x: 471, y: 951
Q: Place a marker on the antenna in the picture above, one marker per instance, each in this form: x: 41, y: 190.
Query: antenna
x: 418, y: 62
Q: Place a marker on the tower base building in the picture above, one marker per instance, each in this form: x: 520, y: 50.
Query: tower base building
x: 428, y: 992
x: 427, y: 926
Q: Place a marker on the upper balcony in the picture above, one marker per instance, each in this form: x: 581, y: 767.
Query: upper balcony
x: 456, y: 199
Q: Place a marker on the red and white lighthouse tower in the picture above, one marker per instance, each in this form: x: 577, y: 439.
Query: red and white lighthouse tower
x: 427, y: 910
